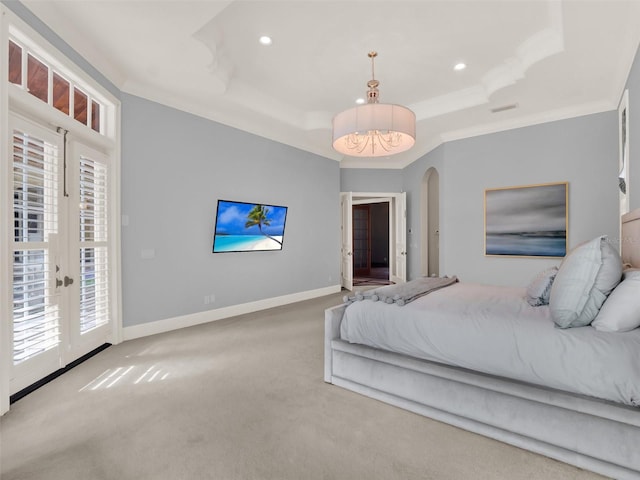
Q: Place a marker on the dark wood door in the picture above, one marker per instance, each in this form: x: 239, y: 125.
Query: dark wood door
x: 361, y: 240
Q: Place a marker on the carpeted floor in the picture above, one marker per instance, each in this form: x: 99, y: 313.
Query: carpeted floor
x: 237, y: 399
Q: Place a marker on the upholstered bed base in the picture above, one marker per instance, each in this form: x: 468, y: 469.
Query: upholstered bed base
x: 595, y: 435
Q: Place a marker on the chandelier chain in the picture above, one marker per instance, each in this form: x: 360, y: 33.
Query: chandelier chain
x: 372, y: 56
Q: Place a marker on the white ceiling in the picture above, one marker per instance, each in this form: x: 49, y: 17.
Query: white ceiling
x: 553, y: 58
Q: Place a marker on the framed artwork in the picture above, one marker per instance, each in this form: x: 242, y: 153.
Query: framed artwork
x: 526, y: 221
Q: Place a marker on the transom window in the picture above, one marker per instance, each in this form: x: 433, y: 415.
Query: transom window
x: 45, y: 83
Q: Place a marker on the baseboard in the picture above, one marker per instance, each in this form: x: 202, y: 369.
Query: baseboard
x: 168, y: 324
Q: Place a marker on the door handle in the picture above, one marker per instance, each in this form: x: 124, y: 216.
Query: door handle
x: 67, y: 281
x: 58, y: 281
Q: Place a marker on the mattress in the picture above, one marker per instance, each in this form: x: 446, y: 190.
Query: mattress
x: 495, y: 331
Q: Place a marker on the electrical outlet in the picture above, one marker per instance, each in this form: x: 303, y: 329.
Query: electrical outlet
x: 206, y: 300
x: 212, y: 298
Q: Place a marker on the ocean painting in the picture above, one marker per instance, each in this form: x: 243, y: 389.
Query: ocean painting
x: 527, y: 221
x: 246, y: 227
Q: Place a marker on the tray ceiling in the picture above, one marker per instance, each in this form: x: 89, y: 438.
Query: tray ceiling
x: 527, y: 61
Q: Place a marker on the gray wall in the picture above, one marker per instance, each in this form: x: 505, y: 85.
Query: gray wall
x: 581, y: 151
x: 370, y: 180
x: 175, y: 166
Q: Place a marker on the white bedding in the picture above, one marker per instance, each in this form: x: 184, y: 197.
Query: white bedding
x: 494, y: 330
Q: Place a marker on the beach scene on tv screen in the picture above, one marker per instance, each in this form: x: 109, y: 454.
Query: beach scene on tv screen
x: 242, y: 227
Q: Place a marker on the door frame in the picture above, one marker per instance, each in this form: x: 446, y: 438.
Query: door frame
x: 14, y: 99
x: 389, y: 201
x: 6, y: 212
x: 71, y: 346
x: 397, y: 225
x: 430, y: 223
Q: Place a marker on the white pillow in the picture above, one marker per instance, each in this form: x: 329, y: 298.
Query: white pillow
x: 586, y: 276
x: 621, y: 310
x: 539, y: 289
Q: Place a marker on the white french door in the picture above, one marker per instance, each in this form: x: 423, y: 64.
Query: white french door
x: 399, y: 267
x: 346, y: 205
x: 397, y: 233
x: 89, y: 314
x: 59, y: 251
x: 37, y: 312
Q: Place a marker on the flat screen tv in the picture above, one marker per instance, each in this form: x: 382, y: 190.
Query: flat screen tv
x: 248, y: 227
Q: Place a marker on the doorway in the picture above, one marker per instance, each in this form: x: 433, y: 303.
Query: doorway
x: 397, y: 254
x: 371, y: 244
x: 60, y: 252
x: 430, y: 223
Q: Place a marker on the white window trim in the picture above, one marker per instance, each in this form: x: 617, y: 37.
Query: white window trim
x: 56, y: 60
x: 108, y: 142
x: 5, y: 328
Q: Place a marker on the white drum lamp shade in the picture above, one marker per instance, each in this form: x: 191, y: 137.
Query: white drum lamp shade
x: 374, y: 130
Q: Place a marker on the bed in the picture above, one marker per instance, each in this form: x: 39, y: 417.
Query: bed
x: 572, y: 394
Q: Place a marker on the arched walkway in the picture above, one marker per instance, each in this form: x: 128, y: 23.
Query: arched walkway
x: 430, y: 223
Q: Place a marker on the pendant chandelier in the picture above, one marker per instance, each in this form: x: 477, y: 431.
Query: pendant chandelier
x: 374, y: 129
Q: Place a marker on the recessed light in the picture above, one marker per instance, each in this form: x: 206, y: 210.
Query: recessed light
x: 360, y: 101
x: 264, y: 40
x: 460, y: 66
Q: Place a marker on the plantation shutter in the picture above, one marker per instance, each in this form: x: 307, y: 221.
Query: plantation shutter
x: 36, y: 315
x: 93, y: 222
